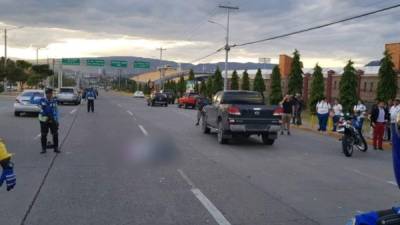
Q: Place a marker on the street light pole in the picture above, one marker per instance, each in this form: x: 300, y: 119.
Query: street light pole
x: 227, y: 46
x: 159, y: 66
x: 5, y: 53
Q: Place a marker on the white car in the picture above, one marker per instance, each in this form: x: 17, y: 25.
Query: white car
x: 23, y: 102
x: 68, y: 95
x: 138, y: 94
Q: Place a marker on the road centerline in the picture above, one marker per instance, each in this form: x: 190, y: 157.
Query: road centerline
x: 210, y: 207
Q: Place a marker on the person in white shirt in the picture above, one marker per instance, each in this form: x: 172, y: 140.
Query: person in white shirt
x: 337, y: 113
x: 359, y: 111
x: 393, y: 112
x: 323, y: 108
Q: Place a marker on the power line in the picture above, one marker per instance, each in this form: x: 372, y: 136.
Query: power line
x: 208, y: 55
x: 319, y: 26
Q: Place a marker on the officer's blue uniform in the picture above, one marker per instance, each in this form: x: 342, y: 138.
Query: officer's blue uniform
x: 48, y: 118
x: 90, y: 96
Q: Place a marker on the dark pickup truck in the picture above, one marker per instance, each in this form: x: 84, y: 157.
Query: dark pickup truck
x: 241, y: 113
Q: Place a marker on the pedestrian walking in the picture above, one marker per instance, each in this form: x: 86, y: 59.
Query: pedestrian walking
x: 379, y: 117
x: 337, y: 113
x: 359, y: 112
x: 287, y: 105
x: 90, y: 96
x: 298, y: 105
x: 323, y: 108
x: 200, y: 103
x: 48, y: 118
x: 393, y: 113
x: 7, y: 174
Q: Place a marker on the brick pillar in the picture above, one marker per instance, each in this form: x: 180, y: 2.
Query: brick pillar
x: 359, y: 73
x: 305, y: 87
x: 328, y: 88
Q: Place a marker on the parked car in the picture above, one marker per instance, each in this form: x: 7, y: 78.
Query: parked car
x: 68, y: 95
x: 157, y: 99
x: 241, y: 113
x: 138, y: 94
x: 23, y: 102
x: 188, y: 100
x: 170, y: 96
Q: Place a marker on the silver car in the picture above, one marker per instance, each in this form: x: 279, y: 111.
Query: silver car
x: 23, y: 102
x: 68, y: 95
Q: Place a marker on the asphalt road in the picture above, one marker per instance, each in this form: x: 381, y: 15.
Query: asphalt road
x: 128, y: 163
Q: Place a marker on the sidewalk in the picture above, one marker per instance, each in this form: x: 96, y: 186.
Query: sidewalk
x: 313, y: 127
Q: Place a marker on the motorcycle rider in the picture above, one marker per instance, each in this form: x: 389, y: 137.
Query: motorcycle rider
x: 8, y: 167
x: 48, y: 118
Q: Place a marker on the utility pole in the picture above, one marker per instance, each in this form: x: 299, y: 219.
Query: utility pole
x: 227, y: 46
x: 159, y: 66
x: 5, y: 59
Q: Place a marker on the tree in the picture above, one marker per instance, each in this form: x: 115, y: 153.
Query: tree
x: 218, y: 82
x: 181, y: 87
x: 317, y: 88
x: 203, y: 88
x: 348, y: 88
x: 34, y: 80
x: 191, y: 75
x: 245, y: 81
x: 387, y: 84
x: 196, y: 87
x: 140, y: 87
x: 276, y: 89
x: 209, y: 86
x: 296, y: 75
x: 259, y: 84
x: 234, y: 81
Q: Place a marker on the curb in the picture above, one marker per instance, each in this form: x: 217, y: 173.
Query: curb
x: 386, y: 145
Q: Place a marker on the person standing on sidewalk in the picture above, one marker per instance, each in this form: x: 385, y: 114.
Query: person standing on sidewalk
x: 323, y: 108
x: 298, y: 108
x: 287, y: 105
x: 359, y: 113
x: 337, y: 113
x: 389, y: 106
x: 393, y: 113
x: 90, y: 96
x: 379, y: 117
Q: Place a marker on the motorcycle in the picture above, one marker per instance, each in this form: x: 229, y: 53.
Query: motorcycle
x: 352, y: 138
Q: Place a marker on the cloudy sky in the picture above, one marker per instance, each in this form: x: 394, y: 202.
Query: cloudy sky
x: 90, y: 28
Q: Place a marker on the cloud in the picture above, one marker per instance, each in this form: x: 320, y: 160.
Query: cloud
x: 120, y: 27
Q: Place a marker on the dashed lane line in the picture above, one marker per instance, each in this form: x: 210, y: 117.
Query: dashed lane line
x: 215, y: 213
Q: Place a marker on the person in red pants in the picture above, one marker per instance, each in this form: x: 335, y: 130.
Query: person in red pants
x: 379, y: 118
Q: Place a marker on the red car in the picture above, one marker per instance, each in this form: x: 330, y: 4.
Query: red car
x: 188, y: 100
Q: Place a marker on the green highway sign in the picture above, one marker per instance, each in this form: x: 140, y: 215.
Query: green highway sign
x: 95, y: 62
x: 119, y: 63
x: 141, y: 65
x: 71, y: 61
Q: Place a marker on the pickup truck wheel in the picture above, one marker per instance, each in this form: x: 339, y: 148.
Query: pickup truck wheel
x: 206, y: 130
x: 186, y: 106
x: 266, y: 140
x: 220, y: 134
x: 16, y: 113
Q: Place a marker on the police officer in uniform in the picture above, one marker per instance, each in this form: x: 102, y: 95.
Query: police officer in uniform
x: 48, y: 118
x: 8, y: 175
x: 90, y: 96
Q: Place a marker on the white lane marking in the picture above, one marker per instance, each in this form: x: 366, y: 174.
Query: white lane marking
x: 143, y: 130
x: 130, y: 113
x: 372, y: 177
x: 37, y: 137
x: 73, y: 111
x: 215, y: 213
x: 119, y: 105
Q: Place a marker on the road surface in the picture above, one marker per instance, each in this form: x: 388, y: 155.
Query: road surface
x: 102, y: 175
